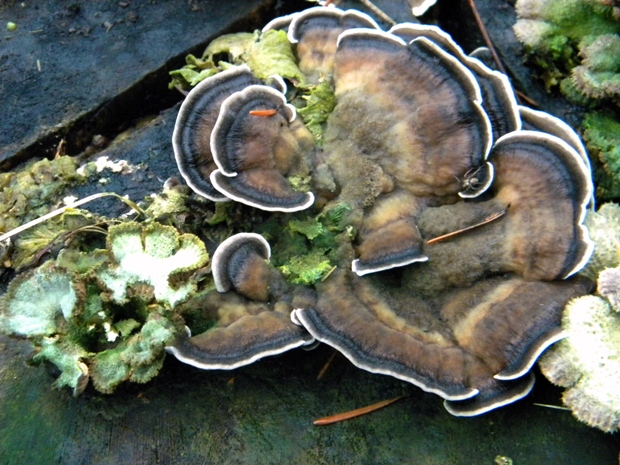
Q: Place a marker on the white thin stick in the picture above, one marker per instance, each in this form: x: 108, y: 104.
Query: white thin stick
x: 54, y: 213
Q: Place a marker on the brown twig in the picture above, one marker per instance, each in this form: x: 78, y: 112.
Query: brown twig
x: 530, y: 101
x: 488, y: 219
x: 486, y: 37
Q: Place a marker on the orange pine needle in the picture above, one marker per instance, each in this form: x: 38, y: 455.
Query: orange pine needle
x: 326, y: 366
x: 270, y: 112
x: 355, y: 413
x: 488, y: 219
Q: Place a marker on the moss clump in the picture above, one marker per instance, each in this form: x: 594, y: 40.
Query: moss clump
x: 309, y: 268
x: 602, y: 137
x: 307, y: 248
x: 317, y: 103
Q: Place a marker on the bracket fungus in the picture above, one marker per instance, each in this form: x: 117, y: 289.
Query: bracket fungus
x: 252, y: 307
x: 233, y: 139
x: 464, y: 228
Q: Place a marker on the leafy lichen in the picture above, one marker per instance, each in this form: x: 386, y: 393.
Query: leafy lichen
x: 106, y: 315
x: 152, y: 255
x: 41, y: 303
x: 266, y: 54
x: 28, y: 193
x: 575, y: 45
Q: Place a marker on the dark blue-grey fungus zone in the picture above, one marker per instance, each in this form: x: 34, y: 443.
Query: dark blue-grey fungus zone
x: 191, y: 139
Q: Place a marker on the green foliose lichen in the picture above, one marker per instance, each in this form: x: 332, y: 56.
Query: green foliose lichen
x: 266, y: 54
x: 587, y: 362
x: 30, y: 192
x: 604, y: 229
x: 68, y: 357
x: 106, y: 315
x: 137, y: 358
x: 43, y: 302
x: 572, y: 39
x: 153, y: 255
x: 272, y: 54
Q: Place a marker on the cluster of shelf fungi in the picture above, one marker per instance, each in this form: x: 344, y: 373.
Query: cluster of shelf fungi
x: 423, y: 141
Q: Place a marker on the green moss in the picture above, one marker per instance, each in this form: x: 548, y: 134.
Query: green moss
x: 310, y: 227
x: 309, y: 268
x: 317, y: 103
x: 305, y: 247
x: 602, y: 137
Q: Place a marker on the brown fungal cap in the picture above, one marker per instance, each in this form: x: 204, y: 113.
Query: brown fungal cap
x: 495, y: 395
x: 419, y: 7
x: 388, y: 236
x: 351, y: 317
x: 315, y: 32
x: 191, y: 139
x: 535, y: 120
x: 498, y: 97
x: 442, y: 109
x: 548, y: 187
x: 255, y: 330
x: 240, y: 263
x: 253, y: 146
x: 471, y: 346
x: 251, y: 307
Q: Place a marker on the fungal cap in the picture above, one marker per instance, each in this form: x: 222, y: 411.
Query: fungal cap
x: 194, y: 125
x: 234, y: 256
x: 253, y: 145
